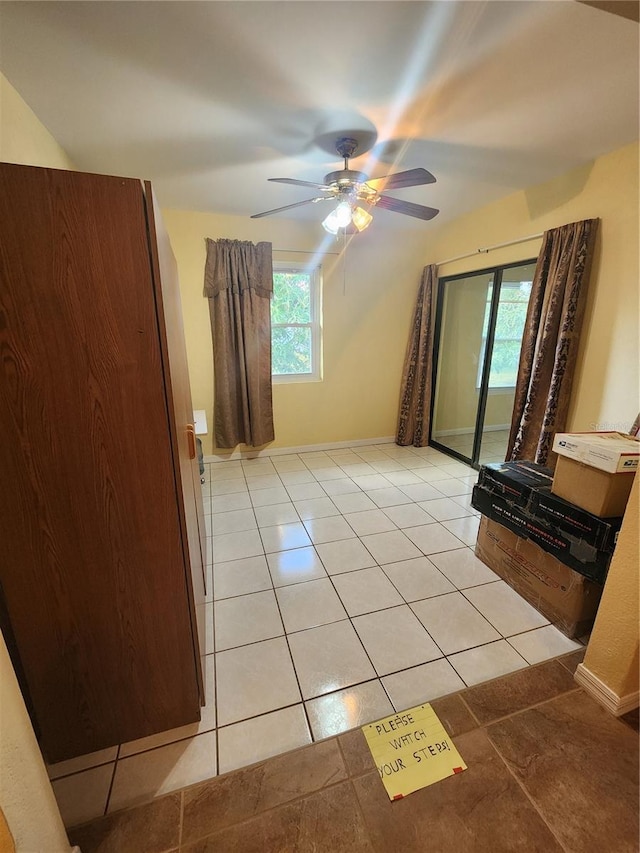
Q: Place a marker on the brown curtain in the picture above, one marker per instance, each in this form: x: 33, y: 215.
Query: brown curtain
x: 550, y: 341
x: 238, y: 282
x: 415, y: 392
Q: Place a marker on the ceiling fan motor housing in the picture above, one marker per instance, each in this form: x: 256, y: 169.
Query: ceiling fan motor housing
x: 345, y: 178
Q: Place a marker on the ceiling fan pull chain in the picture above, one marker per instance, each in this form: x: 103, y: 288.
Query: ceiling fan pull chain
x: 344, y: 263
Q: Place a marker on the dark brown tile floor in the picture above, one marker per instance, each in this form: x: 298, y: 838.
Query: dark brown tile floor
x: 548, y: 770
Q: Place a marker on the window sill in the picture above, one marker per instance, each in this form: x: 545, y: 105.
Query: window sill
x: 496, y: 392
x: 294, y: 378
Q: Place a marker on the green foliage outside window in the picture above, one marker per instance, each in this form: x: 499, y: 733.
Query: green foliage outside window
x: 290, y: 350
x: 291, y: 340
x: 510, y: 320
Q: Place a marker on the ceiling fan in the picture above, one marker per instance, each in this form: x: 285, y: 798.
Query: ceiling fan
x: 350, y: 189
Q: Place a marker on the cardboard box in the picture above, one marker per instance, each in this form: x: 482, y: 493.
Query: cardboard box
x: 613, y: 452
x: 573, y: 551
x: 568, y: 600
x: 599, y: 492
x: 516, y: 481
x: 528, y: 485
x: 566, y: 517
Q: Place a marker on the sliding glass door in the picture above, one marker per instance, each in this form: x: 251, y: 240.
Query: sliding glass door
x: 479, y: 325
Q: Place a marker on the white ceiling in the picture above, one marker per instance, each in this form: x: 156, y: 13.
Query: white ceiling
x: 209, y: 99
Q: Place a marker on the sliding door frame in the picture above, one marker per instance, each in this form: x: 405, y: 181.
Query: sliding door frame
x: 497, y: 272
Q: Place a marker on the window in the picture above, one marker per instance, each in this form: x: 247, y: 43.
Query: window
x: 295, y: 323
x: 510, y: 320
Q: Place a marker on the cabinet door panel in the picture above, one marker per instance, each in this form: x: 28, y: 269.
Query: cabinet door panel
x: 92, y: 565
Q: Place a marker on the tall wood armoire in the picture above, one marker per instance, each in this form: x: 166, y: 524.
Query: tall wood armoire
x: 101, y: 554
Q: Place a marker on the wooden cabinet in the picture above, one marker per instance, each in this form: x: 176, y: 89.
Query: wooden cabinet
x: 101, y: 558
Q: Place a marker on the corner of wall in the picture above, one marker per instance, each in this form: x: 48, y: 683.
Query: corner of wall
x: 23, y: 137
x: 611, y: 661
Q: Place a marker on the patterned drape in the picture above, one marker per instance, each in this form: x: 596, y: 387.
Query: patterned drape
x: 238, y: 283
x: 550, y: 341
x: 415, y: 393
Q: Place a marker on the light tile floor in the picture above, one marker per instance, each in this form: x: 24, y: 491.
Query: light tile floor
x: 342, y: 586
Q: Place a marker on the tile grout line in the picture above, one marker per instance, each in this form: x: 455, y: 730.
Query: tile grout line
x: 364, y: 568
x: 525, y: 791
x: 363, y: 817
x: 215, y: 662
x: 495, y: 627
x: 378, y: 677
x: 533, y: 707
x: 459, y: 693
x: 295, y: 672
x: 113, y: 778
x: 181, y: 819
x: 263, y: 812
x: 469, y: 709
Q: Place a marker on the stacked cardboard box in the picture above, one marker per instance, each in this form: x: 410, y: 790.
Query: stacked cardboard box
x: 568, y: 599
x: 554, y: 553
x: 518, y: 495
x: 595, y: 470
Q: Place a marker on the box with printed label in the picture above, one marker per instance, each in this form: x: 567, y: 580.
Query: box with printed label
x: 573, y: 551
x: 569, y: 600
x: 613, y: 452
x: 528, y: 485
x: 555, y: 511
x: 516, y: 481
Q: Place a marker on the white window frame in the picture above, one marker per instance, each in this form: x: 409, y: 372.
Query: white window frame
x: 493, y: 390
x: 315, y: 324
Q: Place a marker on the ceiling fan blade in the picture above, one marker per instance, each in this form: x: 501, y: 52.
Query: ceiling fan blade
x: 289, y: 206
x: 298, y: 183
x: 410, y: 178
x: 406, y: 207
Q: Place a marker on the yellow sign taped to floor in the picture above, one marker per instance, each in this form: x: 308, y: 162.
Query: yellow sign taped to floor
x: 412, y: 750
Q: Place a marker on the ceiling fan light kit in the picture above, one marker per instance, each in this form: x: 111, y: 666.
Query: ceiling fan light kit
x: 350, y: 189
x: 346, y: 214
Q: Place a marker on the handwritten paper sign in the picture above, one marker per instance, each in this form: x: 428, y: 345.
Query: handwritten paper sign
x: 412, y: 750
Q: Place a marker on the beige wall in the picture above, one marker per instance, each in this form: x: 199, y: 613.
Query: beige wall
x: 368, y: 300
x: 26, y: 796
x: 23, y: 138
x: 606, y: 386
x: 612, y: 655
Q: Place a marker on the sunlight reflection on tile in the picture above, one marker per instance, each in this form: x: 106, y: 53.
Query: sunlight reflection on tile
x: 347, y: 709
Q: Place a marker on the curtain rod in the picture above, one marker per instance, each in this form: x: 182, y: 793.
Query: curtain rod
x: 491, y: 248
x: 306, y: 251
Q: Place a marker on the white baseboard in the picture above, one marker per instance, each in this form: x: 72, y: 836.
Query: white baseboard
x: 305, y: 448
x: 598, y: 690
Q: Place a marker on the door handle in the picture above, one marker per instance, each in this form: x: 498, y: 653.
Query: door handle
x: 191, y: 438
